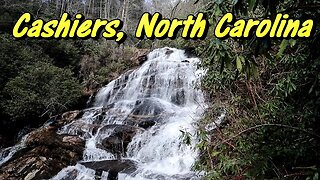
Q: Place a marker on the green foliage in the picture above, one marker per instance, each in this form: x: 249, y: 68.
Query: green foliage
x: 64, y: 53
x: 271, y: 91
x: 40, y: 78
x: 14, y: 55
x: 112, y: 63
x: 40, y: 89
x: 108, y: 73
x: 185, y: 137
x: 20, y: 63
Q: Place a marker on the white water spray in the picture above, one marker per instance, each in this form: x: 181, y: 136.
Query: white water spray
x: 162, y: 94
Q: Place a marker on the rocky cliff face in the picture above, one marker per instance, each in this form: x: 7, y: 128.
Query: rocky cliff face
x: 44, y: 152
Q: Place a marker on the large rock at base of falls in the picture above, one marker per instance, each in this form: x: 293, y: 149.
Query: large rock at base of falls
x: 120, y: 137
x: 112, y: 166
x: 45, y: 153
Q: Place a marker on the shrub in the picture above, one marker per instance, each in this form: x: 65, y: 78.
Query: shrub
x: 40, y: 89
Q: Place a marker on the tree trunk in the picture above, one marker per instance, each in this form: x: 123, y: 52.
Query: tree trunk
x: 57, y: 7
x: 109, y: 9
x: 100, y: 12
x: 62, y: 7
x: 105, y: 8
x: 89, y: 7
x: 126, y: 16
x: 124, y: 13
x: 93, y: 9
x: 84, y: 7
x: 174, y: 9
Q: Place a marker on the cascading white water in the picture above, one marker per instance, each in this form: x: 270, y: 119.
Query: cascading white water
x: 157, y: 101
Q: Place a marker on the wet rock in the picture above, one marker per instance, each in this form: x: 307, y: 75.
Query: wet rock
x: 146, y: 113
x: 47, y: 137
x: 144, y: 121
x: 120, y: 137
x: 140, y: 56
x: 168, y: 52
x: 189, y: 176
x: 147, y: 106
x: 100, y: 115
x: 45, y: 153
x: 147, y: 124
x: 72, y: 175
x: 82, y: 129
x: 72, y: 140
x: 107, y: 107
x: 71, y: 115
x: 112, y: 166
x: 179, y: 97
x: 179, y: 83
x: 185, y: 61
x: 114, y: 144
x: 23, y: 132
x: 148, y: 84
x: 190, y: 52
x: 142, y: 59
x: 89, y: 98
x: 65, y: 118
x: 121, y: 82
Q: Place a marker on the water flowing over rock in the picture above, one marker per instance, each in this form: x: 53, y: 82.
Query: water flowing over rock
x: 133, y: 130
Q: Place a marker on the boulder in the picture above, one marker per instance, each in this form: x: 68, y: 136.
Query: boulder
x: 179, y: 97
x: 72, y: 175
x: 147, y: 124
x: 82, y: 129
x: 120, y: 137
x: 45, y: 153
x: 71, y: 115
x: 190, y: 52
x: 146, y: 113
x: 144, y: 121
x: 168, y: 52
x: 112, y: 166
x: 147, y: 106
x: 65, y: 118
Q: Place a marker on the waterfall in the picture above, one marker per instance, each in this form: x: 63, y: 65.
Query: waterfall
x: 134, y: 129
